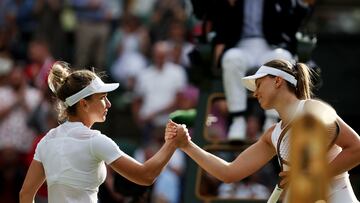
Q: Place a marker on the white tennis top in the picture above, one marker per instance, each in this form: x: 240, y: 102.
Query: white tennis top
x: 340, y: 189
x: 333, y: 152
x: 74, y: 158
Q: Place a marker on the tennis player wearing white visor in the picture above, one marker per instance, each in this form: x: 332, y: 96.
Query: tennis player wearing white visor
x: 266, y: 84
x: 285, y: 87
x: 72, y: 157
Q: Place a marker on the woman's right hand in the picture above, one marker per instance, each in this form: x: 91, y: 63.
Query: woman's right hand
x: 181, y: 137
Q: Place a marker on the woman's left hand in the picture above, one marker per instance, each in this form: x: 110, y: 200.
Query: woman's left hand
x: 284, y: 176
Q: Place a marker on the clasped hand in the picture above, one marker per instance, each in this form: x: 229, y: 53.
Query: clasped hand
x: 177, y: 133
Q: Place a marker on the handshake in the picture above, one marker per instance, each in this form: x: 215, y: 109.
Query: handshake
x: 177, y: 134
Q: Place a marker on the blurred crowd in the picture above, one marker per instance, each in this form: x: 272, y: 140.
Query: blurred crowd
x: 142, y: 44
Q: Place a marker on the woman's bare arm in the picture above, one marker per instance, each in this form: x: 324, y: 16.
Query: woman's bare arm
x: 248, y: 162
x: 349, y: 157
x: 35, y: 177
x: 146, y: 173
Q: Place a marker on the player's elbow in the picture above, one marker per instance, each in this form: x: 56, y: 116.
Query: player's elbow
x: 143, y: 181
x: 357, y: 151
x: 24, y: 194
x: 226, y: 178
x: 147, y: 179
x: 354, y: 149
x: 229, y: 177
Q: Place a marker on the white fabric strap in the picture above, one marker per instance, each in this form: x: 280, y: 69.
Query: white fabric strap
x: 96, y: 84
x: 277, y: 72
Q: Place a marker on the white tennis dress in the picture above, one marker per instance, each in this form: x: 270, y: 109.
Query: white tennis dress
x: 74, y: 158
x: 341, y: 190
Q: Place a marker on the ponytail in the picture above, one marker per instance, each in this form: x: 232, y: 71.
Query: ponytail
x: 302, y: 74
x: 304, y: 83
x: 57, y: 76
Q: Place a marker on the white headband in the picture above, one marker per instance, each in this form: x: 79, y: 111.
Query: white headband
x: 96, y: 86
x: 249, y: 81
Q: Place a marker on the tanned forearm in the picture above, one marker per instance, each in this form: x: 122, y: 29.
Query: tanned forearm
x: 346, y: 160
x: 209, y: 162
x: 154, y: 166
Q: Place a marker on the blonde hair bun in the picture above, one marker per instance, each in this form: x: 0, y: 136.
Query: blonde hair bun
x: 58, y: 74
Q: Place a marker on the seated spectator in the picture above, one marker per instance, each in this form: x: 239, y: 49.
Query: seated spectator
x: 157, y: 91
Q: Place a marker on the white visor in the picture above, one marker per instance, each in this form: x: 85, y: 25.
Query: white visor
x: 96, y: 86
x: 249, y: 81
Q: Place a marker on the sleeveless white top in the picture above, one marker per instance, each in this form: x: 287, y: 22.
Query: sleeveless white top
x: 332, y: 153
x: 340, y: 189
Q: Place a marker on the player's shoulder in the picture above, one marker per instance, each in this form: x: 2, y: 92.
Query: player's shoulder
x: 319, y: 109
x: 315, y: 101
x: 318, y: 104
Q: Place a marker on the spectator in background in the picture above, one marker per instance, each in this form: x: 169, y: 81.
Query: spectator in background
x: 48, y: 13
x: 164, y: 13
x: 20, y: 25
x: 249, y: 33
x: 127, y: 51
x: 17, y: 101
x: 8, y: 27
x: 181, y: 46
x: 157, y: 89
x: 41, y: 61
x: 92, y: 30
x: 142, y: 9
